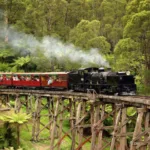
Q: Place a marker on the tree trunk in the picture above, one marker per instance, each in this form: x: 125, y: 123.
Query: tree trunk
x: 6, y: 22
x: 18, y: 135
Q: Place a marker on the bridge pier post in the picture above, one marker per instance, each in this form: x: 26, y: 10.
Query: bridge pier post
x: 78, y: 116
x: 123, y: 140
x: 38, y: 116
x: 28, y: 101
x: 100, y: 136
x: 50, y: 112
x: 112, y: 147
x: 36, y: 119
x: 138, y: 128
x: 17, y: 104
x: 72, y: 121
x: 53, y: 131
x: 7, y: 98
x: 60, y: 122
x: 95, y: 114
x: 147, y: 126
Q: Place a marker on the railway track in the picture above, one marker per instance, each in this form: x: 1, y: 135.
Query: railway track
x: 130, y: 100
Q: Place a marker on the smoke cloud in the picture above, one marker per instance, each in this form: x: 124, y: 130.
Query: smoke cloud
x: 52, y: 47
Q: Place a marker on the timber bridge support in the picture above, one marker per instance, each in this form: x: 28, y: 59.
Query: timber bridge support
x: 85, y: 112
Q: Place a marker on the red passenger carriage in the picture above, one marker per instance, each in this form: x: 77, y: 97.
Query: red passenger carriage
x: 6, y: 79
x: 55, y: 80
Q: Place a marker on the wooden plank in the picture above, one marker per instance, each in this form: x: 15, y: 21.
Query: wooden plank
x: 138, y: 126
x: 38, y: 111
x: 72, y: 114
x: 54, y: 125
x: 95, y: 117
x: 100, y: 136
x: 78, y: 114
x: 17, y: 104
x: 147, y: 125
x: 123, y: 140
x: 60, y: 121
x: 112, y: 147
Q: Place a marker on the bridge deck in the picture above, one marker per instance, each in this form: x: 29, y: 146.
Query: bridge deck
x: 129, y: 100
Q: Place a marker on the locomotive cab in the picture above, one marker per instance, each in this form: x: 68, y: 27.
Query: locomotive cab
x: 80, y: 80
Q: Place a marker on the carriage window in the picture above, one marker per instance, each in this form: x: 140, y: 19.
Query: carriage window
x: 36, y: 78
x: 8, y: 77
x: 15, y: 78
x: 63, y: 77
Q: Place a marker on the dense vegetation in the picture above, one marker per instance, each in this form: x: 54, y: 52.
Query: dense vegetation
x: 119, y: 29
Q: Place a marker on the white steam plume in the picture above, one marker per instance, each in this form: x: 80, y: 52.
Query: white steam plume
x: 53, y: 47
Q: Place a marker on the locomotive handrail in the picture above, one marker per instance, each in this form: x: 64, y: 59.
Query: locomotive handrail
x: 91, y: 93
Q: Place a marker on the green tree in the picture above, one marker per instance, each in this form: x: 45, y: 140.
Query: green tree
x: 17, y: 120
x: 7, y: 137
x: 86, y: 36
x: 112, y: 25
x: 21, y: 63
x: 138, y: 29
x: 127, y: 56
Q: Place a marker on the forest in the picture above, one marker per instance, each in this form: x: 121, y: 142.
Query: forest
x: 62, y: 35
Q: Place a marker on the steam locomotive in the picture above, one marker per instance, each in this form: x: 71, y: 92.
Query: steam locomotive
x: 106, y: 82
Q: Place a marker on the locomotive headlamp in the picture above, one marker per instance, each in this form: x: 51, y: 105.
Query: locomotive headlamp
x: 82, y: 79
x: 101, y: 69
x: 128, y: 73
x: 121, y: 73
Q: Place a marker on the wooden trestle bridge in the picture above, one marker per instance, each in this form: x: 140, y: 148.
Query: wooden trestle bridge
x: 81, y: 106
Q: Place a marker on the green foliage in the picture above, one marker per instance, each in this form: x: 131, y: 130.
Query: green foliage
x: 12, y: 148
x: 128, y: 56
x: 21, y: 63
x: 146, y: 88
x: 4, y: 67
x: 86, y: 36
x: 131, y: 111
x: 18, y: 118
x: 6, y: 53
x: 100, y: 43
x: 137, y: 28
x: 7, y: 136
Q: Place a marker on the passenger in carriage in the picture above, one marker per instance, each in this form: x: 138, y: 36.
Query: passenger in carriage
x: 15, y: 78
x: 4, y: 77
x: 37, y: 79
x: 50, y: 81
x: 28, y: 78
x: 22, y: 78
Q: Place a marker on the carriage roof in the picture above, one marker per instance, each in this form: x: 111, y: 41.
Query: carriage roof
x: 34, y: 73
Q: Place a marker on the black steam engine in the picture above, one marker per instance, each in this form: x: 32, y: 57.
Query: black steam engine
x: 106, y: 82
